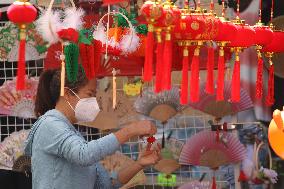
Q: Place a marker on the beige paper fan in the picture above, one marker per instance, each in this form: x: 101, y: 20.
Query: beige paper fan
x: 167, y: 166
x: 108, y: 117
x: 118, y: 161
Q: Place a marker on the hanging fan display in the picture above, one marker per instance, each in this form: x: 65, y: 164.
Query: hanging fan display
x: 203, y: 149
x: 24, y: 106
x: 108, y: 117
x: 161, y: 106
x: 196, y: 185
x: 12, y: 150
x: 219, y: 109
x: 118, y: 161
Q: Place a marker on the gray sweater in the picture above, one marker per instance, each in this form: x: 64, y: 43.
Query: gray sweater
x: 63, y: 159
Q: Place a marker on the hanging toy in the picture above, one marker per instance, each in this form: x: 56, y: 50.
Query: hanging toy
x: 21, y: 13
x: 150, y: 141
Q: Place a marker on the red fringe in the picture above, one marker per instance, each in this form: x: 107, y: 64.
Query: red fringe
x: 167, y: 62
x: 259, y: 85
x: 21, y: 72
x: 236, y: 83
x: 214, y: 185
x: 84, y: 59
x: 97, y: 55
x: 159, y: 68
x: 184, y: 81
x: 210, y: 71
x: 194, y: 79
x: 149, y: 50
x: 270, y: 96
x: 91, y: 57
x: 220, y: 79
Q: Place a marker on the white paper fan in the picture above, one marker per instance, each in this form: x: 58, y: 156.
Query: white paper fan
x: 24, y: 109
x: 12, y: 148
x: 161, y: 106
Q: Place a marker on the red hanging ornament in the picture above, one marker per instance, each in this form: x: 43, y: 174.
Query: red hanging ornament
x: 221, y: 75
x: 214, y: 185
x: 259, y: 85
x: 210, y: 71
x: 236, y: 84
x: 242, y: 177
x: 21, y: 13
x: 159, y: 63
x: 184, y: 81
x: 194, y: 78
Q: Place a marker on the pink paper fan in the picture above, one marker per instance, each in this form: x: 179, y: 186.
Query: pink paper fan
x: 203, y: 149
x: 219, y: 109
x: 25, y: 105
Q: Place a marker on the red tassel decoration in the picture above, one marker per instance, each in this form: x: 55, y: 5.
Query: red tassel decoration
x: 259, y: 85
x: 214, y: 185
x: 194, y: 79
x: 270, y: 96
x: 159, y: 64
x: 91, y: 57
x: 210, y: 71
x: 149, y: 53
x: 221, y: 75
x: 167, y: 61
x: 97, y: 55
x: 184, y: 81
x: 84, y: 59
x: 236, y: 81
x: 242, y: 177
x: 21, y: 72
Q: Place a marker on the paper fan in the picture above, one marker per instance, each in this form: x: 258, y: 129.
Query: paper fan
x: 24, y: 107
x: 22, y: 164
x: 203, y: 149
x: 219, y: 109
x: 12, y: 148
x: 108, y: 117
x: 161, y: 106
x: 196, y: 185
x: 118, y: 161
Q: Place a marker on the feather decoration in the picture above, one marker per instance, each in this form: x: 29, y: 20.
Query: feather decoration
x: 73, y: 18
x: 48, y: 25
x: 112, y: 43
x: 129, y: 42
x: 99, y: 33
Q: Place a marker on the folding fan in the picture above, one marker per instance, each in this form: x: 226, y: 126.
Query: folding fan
x: 161, y: 106
x: 219, y: 109
x: 24, y: 107
x: 204, y: 149
x: 196, y: 185
x: 108, y: 117
x: 118, y: 161
x: 11, y: 149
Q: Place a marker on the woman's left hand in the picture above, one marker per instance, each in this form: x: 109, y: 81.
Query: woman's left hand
x: 150, y: 157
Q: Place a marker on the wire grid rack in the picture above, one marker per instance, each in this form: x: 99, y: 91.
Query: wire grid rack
x: 182, y: 128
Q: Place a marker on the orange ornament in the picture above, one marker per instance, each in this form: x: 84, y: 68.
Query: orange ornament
x: 276, y: 133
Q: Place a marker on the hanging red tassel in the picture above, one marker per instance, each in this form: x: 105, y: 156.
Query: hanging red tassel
x: 97, y: 54
x: 167, y: 62
x: 159, y: 64
x: 259, y: 85
x: 236, y: 82
x: 84, y: 59
x: 221, y: 75
x: 194, y: 78
x: 21, y: 72
x: 184, y: 81
x: 210, y: 71
x: 214, y: 185
x: 242, y: 177
x: 270, y: 96
x: 91, y: 57
x: 149, y: 53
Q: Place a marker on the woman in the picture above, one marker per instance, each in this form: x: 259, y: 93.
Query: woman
x: 61, y: 157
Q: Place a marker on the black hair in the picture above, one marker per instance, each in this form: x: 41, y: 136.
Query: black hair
x: 48, y: 91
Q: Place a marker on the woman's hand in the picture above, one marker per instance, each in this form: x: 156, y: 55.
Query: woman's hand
x: 139, y: 128
x: 150, y: 157
x: 8, y: 98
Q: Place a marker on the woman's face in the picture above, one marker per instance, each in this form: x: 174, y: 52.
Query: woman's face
x: 89, y: 90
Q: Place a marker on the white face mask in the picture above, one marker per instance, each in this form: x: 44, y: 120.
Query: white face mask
x: 86, y: 109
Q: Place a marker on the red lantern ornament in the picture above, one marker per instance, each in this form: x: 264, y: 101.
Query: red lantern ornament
x: 21, y: 13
